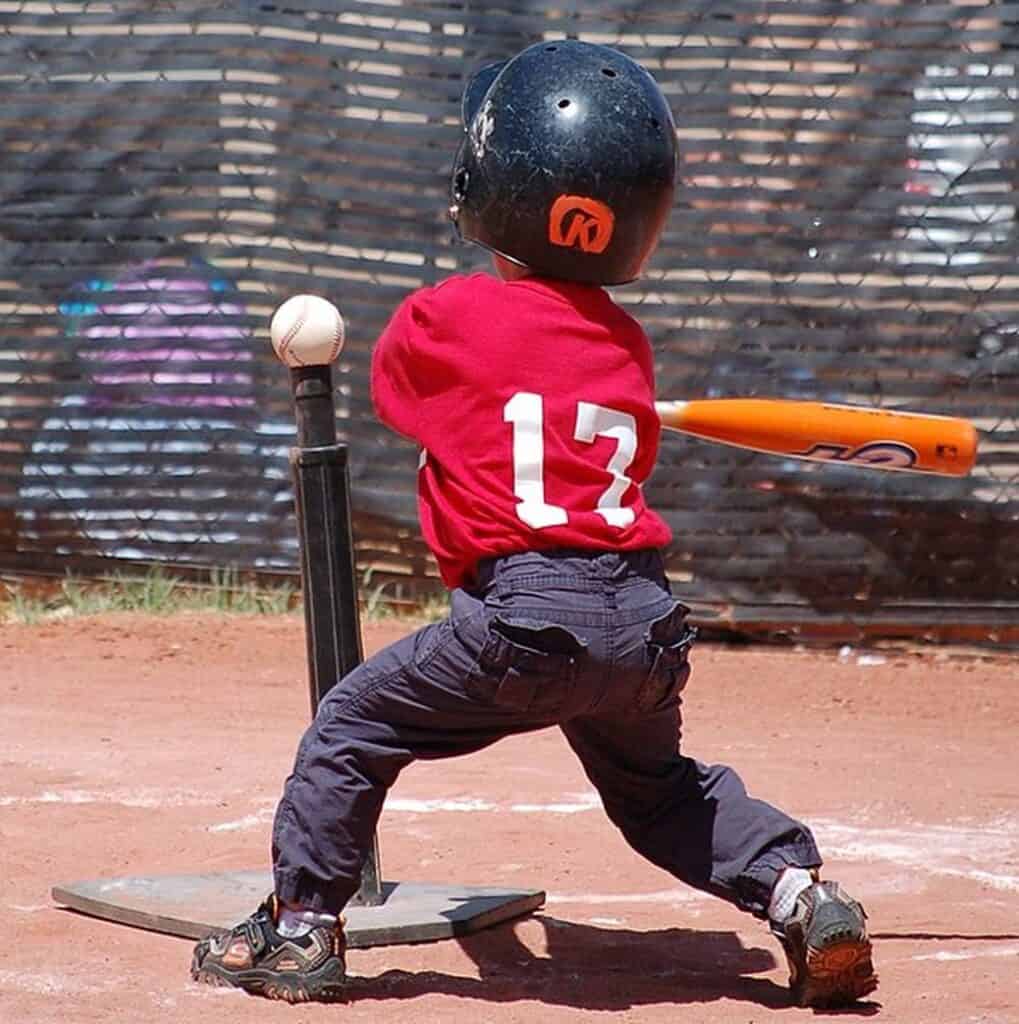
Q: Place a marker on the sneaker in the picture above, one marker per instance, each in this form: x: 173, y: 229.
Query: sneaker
x: 826, y: 943
x: 255, y: 957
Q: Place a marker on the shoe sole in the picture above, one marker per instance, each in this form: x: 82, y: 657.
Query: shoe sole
x: 838, y: 974
x: 326, y: 985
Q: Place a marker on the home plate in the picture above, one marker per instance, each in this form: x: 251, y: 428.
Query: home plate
x: 193, y: 906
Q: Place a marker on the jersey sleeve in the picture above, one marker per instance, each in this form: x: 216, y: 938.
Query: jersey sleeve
x: 394, y: 395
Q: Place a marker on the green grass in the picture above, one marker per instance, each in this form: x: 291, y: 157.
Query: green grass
x: 157, y: 592
x: 388, y: 600
x: 160, y: 592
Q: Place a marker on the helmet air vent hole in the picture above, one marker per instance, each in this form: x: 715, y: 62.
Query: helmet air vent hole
x: 655, y: 123
x: 551, y: 49
x: 608, y: 72
x: 563, y: 104
x: 460, y: 181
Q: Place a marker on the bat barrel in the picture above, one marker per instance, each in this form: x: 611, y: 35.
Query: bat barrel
x: 825, y: 432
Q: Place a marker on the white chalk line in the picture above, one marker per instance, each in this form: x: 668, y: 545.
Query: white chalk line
x: 1004, y: 883
x: 672, y: 897
x: 47, y: 983
x: 971, y: 954
x: 245, y: 824
x: 932, y: 849
x: 580, y: 803
x: 572, y: 803
x: 950, y: 851
x: 148, y: 797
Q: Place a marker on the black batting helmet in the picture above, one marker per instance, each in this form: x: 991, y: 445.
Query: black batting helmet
x: 568, y: 164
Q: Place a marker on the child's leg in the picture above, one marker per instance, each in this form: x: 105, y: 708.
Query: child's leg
x: 449, y: 689
x: 347, y: 760
x: 421, y: 697
x: 697, y: 822
x: 694, y: 820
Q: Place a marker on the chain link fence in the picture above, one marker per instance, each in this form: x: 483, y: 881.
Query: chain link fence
x: 846, y: 231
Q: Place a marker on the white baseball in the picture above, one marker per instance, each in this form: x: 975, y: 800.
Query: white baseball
x: 307, y: 330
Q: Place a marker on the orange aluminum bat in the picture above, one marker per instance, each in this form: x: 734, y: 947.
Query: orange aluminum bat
x: 820, y: 431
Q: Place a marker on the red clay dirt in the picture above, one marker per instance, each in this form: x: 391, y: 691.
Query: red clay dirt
x: 142, y: 746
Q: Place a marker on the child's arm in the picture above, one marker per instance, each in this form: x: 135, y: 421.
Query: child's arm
x: 394, y: 395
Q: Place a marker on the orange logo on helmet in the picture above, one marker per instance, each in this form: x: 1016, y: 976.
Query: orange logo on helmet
x: 582, y: 223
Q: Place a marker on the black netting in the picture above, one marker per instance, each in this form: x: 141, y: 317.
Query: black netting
x: 846, y: 230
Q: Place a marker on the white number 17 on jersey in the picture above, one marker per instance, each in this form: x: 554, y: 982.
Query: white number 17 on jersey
x: 526, y: 412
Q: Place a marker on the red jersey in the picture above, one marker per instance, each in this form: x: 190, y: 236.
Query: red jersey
x: 533, y: 401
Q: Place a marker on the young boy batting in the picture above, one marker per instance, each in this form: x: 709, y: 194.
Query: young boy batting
x: 532, y: 394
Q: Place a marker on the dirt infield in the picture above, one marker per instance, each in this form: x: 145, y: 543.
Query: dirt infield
x: 136, y: 746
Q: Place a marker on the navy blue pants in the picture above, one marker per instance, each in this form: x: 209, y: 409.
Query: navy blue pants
x: 591, y: 643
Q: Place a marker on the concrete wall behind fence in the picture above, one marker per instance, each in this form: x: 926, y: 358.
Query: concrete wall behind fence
x: 846, y: 230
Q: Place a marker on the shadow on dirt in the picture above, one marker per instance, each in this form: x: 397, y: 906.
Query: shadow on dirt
x: 592, y: 968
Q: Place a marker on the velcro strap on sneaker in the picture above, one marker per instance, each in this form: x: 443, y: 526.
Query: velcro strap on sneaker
x: 254, y: 935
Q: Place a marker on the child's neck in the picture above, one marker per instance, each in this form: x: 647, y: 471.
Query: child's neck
x: 508, y: 270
